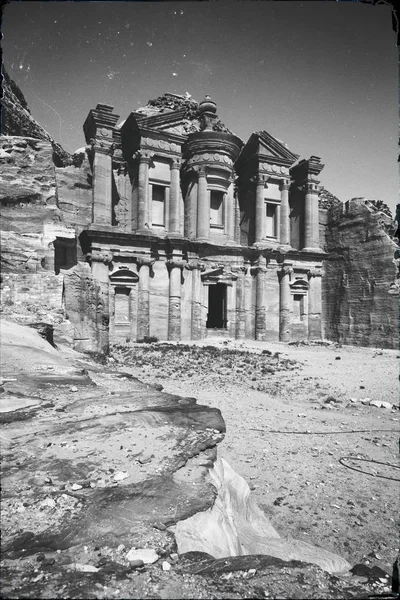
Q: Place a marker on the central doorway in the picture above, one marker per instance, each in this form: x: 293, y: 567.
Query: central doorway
x: 216, y: 318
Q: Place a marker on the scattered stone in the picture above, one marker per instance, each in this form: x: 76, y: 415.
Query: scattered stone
x: 166, y: 566
x: 120, y: 475
x: 136, y: 564
x: 160, y: 526
x: 73, y: 388
x: 145, y: 458
x: 147, y: 555
x: 365, y: 400
x: 279, y: 501
x: 85, y: 568
x: 386, y: 405
x: 76, y: 486
x: 338, y: 358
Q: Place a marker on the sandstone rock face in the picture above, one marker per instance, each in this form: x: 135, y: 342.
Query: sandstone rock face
x: 359, y: 271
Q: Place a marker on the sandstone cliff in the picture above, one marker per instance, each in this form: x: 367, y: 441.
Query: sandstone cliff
x: 45, y: 199
x: 359, y: 290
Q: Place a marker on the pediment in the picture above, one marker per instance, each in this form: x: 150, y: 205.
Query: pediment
x: 270, y: 147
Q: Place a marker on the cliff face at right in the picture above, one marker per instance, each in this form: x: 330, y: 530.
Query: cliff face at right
x: 359, y: 289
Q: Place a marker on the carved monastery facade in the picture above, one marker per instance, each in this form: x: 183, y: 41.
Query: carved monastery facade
x: 196, y: 234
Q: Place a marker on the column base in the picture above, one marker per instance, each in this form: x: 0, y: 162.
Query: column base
x: 145, y: 231
x: 173, y: 235
x: 201, y: 239
x: 316, y: 250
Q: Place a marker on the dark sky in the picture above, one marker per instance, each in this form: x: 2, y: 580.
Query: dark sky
x: 321, y: 76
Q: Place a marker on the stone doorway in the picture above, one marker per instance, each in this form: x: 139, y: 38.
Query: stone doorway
x: 122, y: 317
x: 216, y: 317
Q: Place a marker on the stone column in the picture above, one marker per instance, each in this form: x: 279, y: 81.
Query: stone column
x: 143, y: 196
x: 241, y: 306
x: 314, y: 305
x: 260, y: 325
x: 236, y: 215
x: 285, y: 211
x: 112, y: 313
x: 100, y: 262
x: 174, y: 199
x: 174, y: 304
x: 191, y: 210
x: 102, y: 183
x: 133, y: 312
x: 196, y: 316
x: 311, y: 217
x: 203, y: 208
x: 260, y: 210
x: 285, y: 303
x: 230, y: 213
x: 143, y: 321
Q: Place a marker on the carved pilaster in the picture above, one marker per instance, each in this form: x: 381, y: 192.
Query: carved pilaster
x: 285, y: 303
x: 174, y: 304
x: 174, y: 198
x: 314, y: 304
x: 203, y: 207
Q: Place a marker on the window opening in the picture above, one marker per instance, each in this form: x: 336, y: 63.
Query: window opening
x: 216, y: 318
x: 270, y: 220
x: 158, y: 205
x: 216, y: 208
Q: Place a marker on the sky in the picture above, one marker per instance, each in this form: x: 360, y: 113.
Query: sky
x: 320, y: 76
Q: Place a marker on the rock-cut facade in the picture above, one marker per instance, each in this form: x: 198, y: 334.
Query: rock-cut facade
x: 195, y: 233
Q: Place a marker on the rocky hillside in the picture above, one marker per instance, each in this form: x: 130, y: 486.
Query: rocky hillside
x: 16, y: 120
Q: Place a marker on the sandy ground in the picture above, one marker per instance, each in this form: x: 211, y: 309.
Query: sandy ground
x: 287, y: 431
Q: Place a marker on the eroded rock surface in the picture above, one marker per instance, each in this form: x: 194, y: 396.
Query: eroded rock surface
x: 360, y: 308
x: 235, y: 526
x: 126, y: 454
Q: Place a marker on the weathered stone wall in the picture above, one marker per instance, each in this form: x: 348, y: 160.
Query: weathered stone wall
x: 359, y: 270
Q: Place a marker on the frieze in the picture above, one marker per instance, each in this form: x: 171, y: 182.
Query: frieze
x: 274, y: 169
x: 210, y: 158
x: 158, y: 144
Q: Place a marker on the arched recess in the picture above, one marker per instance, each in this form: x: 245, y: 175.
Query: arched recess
x: 123, y: 305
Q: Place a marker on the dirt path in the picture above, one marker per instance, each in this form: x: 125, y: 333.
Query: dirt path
x: 289, y: 422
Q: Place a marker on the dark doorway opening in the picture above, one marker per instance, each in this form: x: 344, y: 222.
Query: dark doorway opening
x: 65, y: 255
x: 216, y: 318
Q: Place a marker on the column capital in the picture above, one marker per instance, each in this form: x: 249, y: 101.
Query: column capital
x: 192, y: 266
x: 175, y: 264
x: 176, y: 163
x: 102, y: 146
x: 201, y: 171
x: 144, y: 156
x: 284, y: 185
x: 311, y: 187
x: 256, y: 270
x: 144, y: 261
x: 260, y: 179
x: 285, y: 270
x: 103, y: 257
x: 314, y: 272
